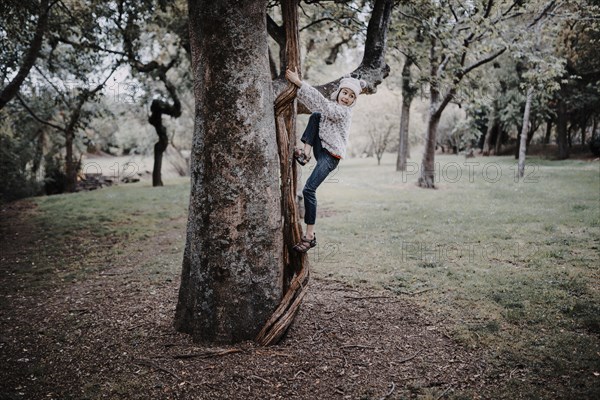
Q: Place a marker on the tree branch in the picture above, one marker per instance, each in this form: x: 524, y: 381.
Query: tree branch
x: 89, y: 46
x: 542, y: 14
x: 461, y: 74
x: 317, y: 22
x: 276, y: 32
x: 12, y: 89
x: 483, y: 61
x: 488, y: 8
x: 30, y: 111
x: 373, y: 68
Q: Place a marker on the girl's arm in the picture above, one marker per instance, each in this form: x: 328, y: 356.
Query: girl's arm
x: 313, y: 99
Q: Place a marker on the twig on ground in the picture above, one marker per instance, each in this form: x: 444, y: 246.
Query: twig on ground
x: 298, y: 373
x: 409, y: 358
x: 344, y: 289
x: 208, y: 354
x: 260, y: 378
x: 367, y: 297
x: 148, y: 363
x: 272, y: 353
x: 357, y: 346
x: 443, y: 393
x: 390, y: 392
x: 417, y: 292
x: 136, y: 326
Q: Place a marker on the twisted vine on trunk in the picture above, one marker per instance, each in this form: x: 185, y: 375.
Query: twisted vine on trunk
x: 296, y: 270
x: 373, y: 69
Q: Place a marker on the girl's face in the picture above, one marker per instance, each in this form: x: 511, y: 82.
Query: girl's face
x: 346, y: 97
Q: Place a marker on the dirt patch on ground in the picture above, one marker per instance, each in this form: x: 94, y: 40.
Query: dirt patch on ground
x: 110, y: 335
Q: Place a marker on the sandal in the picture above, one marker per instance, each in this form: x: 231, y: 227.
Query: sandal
x: 306, y: 244
x: 301, y: 156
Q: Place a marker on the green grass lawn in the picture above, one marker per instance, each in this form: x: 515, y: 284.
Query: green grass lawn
x: 510, y: 266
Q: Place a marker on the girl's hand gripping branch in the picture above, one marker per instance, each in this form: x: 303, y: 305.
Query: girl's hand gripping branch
x: 293, y: 77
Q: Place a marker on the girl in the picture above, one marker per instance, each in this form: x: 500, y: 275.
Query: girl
x: 327, y: 133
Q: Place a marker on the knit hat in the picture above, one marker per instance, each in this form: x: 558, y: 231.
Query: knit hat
x: 347, y: 82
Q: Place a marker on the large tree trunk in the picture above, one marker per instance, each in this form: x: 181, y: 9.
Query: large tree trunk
x: 407, y: 97
x: 232, y: 267
x: 525, y: 129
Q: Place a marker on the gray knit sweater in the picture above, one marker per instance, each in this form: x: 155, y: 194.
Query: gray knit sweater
x: 334, y: 128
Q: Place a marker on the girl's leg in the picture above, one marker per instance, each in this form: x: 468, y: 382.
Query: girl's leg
x: 310, y: 137
x: 325, y: 164
x: 310, y: 231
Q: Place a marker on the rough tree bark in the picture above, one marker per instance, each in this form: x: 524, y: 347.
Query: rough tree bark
x: 232, y: 267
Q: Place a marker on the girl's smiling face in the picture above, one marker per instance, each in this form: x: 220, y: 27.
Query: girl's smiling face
x: 346, y: 97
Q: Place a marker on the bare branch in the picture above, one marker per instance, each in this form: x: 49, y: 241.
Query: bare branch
x: 33, y: 114
x: 89, y: 46
x: 461, y: 74
x: 483, y: 61
x: 545, y: 11
x: 12, y: 89
x: 317, y: 22
x: 62, y: 98
x: 443, y: 65
x: 488, y: 8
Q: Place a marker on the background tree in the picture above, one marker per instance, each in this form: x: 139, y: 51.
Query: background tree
x: 152, y: 30
x: 380, y: 140
x: 19, y: 54
x: 578, y: 101
x: 73, y: 69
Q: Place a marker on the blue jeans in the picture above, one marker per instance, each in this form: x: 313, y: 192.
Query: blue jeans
x: 325, y: 164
